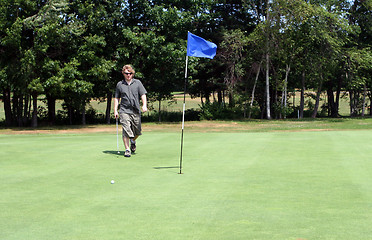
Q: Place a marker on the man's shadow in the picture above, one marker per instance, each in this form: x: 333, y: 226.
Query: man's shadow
x: 113, y: 152
x: 122, y: 152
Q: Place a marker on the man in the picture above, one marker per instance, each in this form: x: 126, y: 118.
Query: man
x: 130, y: 91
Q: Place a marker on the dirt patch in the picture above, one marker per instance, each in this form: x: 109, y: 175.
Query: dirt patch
x: 56, y: 130
x: 197, y: 126
x: 203, y: 126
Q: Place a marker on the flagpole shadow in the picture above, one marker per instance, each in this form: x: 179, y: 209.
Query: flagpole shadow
x: 159, y: 168
x: 168, y: 169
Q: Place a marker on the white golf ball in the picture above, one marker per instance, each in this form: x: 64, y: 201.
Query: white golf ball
x: 112, y: 181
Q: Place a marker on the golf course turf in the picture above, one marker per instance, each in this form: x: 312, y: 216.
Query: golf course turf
x: 235, y: 185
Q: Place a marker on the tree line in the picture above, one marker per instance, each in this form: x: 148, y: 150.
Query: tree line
x: 73, y: 50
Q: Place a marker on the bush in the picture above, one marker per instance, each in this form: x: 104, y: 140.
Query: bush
x: 217, y: 111
x: 190, y: 115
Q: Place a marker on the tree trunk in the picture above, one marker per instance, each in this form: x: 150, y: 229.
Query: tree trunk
x: 364, y: 99
x: 315, y: 112
x: 354, y: 98
x: 69, y: 113
x: 353, y: 95
x: 83, y: 114
x: 223, y: 98
x: 254, y: 89
x: 351, y: 98
x: 370, y: 103
x: 7, y: 108
x: 34, y: 110
x: 108, y: 107
x: 356, y: 101
x: 284, y: 94
x: 337, y: 101
x: 29, y: 115
x: 17, y: 109
x: 20, y: 111
x: 51, y: 109
x: 331, y: 102
x: 268, y: 115
x: 14, y: 108
x: 231, y: 99
x: 201, y: 100
x: 219, y: 97
x: 278, y: 114
x: 207, y: 100
x: 25, y: 118
x: 302, y: 99
x: 159, y: 110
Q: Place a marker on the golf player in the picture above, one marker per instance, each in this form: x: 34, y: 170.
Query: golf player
x: 130, y: 91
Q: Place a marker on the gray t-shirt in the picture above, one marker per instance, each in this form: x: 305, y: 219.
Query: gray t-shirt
x: 130, y: 96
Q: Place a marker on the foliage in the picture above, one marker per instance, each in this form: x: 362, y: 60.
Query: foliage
x: 172, y: 116
x: 74, y: 50
x: 216, y: 111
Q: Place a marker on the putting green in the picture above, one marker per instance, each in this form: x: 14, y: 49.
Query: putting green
x: 271, y: 185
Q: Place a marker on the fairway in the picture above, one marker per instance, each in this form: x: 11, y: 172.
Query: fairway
x: 242, y: 185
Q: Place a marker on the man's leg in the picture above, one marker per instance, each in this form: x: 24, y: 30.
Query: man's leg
x: 133, y: 144
x: 125, y: 119
x: 127, y: 152
x: 136, y: 127
x: 126, y: 142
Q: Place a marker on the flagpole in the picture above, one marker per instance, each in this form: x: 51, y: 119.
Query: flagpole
x: 183, y: 112
x: 196, y: 47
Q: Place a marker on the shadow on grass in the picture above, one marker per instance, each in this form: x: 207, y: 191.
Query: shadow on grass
x: 170, y: 169
x: 165, y: 167
x: 113, y: 152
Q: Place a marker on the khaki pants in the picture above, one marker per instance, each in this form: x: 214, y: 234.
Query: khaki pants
x: 131, y: 124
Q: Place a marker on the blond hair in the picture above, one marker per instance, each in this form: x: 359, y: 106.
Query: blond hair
x: 129, y: 68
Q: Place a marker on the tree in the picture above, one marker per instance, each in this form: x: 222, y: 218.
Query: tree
x: 74, y: 51
x: 160, y: 65
x: 231, y: 52
x: 358, y: 58
x: 17, y: 60
x: 98, y: 53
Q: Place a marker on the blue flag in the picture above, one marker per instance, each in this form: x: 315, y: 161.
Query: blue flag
x: 198, y: 47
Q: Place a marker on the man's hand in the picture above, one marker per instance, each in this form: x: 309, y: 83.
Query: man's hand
x: 116, y: 104
x: 144, y: 103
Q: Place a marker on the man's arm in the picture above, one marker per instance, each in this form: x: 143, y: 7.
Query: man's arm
x: 144, y: 103
x: 116, y: 104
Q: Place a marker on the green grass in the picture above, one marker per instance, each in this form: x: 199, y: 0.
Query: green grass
x: 236, y: 185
